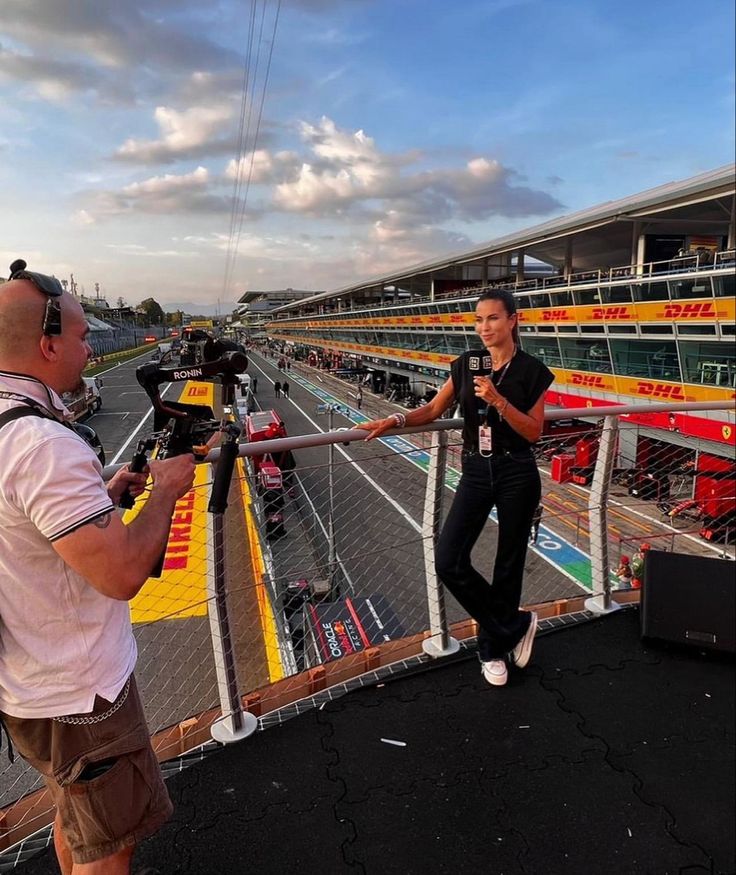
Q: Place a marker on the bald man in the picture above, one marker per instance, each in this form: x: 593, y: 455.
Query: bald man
x: 68, y: 567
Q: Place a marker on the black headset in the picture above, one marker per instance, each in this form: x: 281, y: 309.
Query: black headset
x: 50, y: 286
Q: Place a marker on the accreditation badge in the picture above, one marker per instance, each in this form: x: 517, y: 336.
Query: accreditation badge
x: 485, y: 440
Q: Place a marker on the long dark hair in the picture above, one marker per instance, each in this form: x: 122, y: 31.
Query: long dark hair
x: 509, y: 305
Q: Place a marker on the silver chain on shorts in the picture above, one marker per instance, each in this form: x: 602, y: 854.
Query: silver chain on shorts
x: 98, y: 718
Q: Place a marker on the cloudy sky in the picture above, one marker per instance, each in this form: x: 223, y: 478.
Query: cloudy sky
x: 373, y: 133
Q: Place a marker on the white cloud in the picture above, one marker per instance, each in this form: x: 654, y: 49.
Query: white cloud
x: 57, y: 80
x: 170, y: 194
x: 83, y: 218
x: 193, y: 132
x: 347, y: 172
x: 262, y: 167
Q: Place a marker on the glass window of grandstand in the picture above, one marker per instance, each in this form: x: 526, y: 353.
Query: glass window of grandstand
x: 540, y: 299
x: 563, y: 298
x: 458, y: 343
x: 725, y: 285
x: 620, y: 294
x: 654, y: 359
x: 653, y: 291
x: 587, y: 296
x: 544, y: 348
x: 708, y: 362
x: 696, y: 329
x: 692, y: 287
x: 585, y: 355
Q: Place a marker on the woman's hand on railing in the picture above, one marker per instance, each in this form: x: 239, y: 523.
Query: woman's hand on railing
x: 377, y: 427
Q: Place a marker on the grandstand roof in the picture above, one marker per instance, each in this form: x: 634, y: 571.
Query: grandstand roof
x: 603, y: 233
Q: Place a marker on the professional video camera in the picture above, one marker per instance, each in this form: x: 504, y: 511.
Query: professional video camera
x: 199, y: 346
x: 179, y: 427
x: 186, y: 428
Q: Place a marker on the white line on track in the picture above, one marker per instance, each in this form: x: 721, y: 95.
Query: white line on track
x: 136, y: 430
x: 701, y: 542
x: 404, y: 513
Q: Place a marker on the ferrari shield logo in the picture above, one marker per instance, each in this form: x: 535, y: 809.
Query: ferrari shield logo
x: 726, y: 431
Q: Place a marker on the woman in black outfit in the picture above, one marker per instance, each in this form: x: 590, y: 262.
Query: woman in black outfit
x: 500, y: 390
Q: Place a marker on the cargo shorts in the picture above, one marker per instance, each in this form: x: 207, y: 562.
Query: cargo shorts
x: 103, y: 776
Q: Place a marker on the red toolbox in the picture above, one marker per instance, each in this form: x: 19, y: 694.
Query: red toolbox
x: 561, y: 466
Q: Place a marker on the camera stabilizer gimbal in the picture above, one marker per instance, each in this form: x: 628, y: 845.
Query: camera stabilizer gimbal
x: 186, y: 428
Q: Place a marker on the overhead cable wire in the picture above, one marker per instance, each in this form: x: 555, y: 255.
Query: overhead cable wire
x: 240, y: 197
x: 237, y: 176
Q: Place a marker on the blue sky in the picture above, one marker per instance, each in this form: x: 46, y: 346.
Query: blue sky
x: 391, y: 132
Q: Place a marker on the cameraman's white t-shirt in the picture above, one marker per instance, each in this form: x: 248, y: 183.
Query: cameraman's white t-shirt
x: 61, y: 641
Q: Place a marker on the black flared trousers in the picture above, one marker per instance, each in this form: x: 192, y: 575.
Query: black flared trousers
x: 510, y: 482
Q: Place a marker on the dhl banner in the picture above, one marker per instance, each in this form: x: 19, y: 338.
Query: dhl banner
x: 181, y: 591
x: 640, y: 388
x: 415, y: 321
x: 702, y: 310
x: 416, y: 356
x: 706, y: 310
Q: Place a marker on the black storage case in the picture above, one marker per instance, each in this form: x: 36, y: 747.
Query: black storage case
x: 689, y: 600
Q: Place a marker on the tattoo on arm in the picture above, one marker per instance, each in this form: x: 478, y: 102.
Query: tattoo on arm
x: 102, y: 522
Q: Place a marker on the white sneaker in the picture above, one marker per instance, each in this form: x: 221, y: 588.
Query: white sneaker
x: 523, y: 650
x: 495, y: 672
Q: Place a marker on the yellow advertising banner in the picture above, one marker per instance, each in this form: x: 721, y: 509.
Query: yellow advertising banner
x: 181, y: 591
x: 699, y: 310
x: 405, y: 355
x: 640, y: 388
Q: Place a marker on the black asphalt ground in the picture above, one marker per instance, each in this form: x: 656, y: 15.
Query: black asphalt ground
x: 607, y: 755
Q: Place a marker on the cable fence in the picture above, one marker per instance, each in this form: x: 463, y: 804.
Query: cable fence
x: 321, y: 566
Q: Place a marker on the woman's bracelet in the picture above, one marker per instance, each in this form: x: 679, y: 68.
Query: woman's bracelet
x: 502, y: 410
x: 399, y: 419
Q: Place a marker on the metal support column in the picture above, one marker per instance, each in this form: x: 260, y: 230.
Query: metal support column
x: 598, y: 520
x: 235, y: 723
x: 440, y: 644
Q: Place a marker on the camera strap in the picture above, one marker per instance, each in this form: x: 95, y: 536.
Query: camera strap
x: 17, y: 412
x: 29, y: 408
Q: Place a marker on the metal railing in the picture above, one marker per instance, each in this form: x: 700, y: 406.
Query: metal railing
x: 273, y: 597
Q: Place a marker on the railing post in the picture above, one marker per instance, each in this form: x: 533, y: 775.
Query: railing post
x: 440, y: 644
x: 235, y: 723
x: 598, y: 520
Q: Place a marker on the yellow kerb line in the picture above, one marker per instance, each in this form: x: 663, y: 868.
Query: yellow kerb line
x: 258, y: 566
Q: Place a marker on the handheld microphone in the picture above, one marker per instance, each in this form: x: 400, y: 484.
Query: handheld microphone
x: 480, y: 364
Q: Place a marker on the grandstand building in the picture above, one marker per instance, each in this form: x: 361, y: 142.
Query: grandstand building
x: 630, y: 300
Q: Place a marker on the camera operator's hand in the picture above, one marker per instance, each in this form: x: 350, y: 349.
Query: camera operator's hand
x: 174, y: 476
x: 125, y: 479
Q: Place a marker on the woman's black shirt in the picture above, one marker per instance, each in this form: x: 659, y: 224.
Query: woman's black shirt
x: 525, y: 380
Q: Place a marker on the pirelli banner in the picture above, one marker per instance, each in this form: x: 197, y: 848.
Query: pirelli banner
x: 181, y: 591
x: 704, y: 310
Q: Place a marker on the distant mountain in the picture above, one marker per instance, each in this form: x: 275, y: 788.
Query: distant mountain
x: 224, y: 308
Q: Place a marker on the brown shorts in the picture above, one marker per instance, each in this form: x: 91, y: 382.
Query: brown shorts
x: 109, y: 806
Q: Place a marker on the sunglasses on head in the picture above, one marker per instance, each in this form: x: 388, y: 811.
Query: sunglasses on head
x: 50, y: 286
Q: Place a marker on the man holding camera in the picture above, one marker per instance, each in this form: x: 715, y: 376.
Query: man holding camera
x: 68, y: 567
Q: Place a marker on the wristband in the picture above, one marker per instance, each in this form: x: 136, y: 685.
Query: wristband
x: 399, y: 419
x: 502, y: 410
